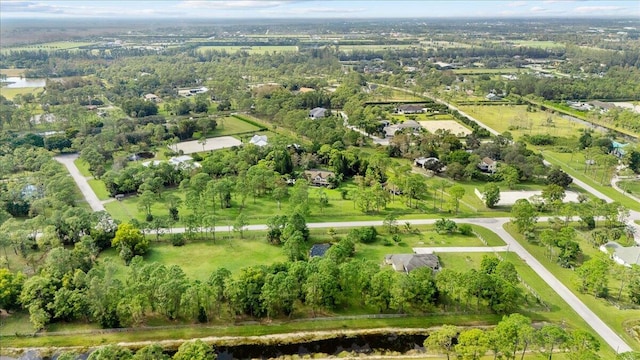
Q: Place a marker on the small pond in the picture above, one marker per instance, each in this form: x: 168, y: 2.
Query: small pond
x: 14, y: 82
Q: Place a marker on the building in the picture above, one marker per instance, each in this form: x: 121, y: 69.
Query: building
x: 426, y: 162
x: 603, y: 106
x: 319, y: 177
x: 259, y: 140
x: 390, y: 131
x: 488, y: 165
x: 410, y: 109
x: 152, y: 97
x: 409, y: 262
x: 184, y: 162
x: 317, y: 113
x: 626, y: 256
x: 493, y: 97
x: 192, y: 91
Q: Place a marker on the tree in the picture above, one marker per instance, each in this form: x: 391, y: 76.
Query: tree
x: 515, y: 333
x: 633, y: 287
x: 150, y: 352
x: 195, y: 350
x: 524, y: 216
x: 240, y: 224
x: 558, y: 177
x: 110, y: 352
x: 583, y: 345
x: 442, y: 340
x: 380, y: 292
x: 491, y: 195
x: 130, y: 242
x: 294, y: 245
x: 553, y: 194
x: 509, y: 175
x: 551, y: 337
x: 456, y: 192
x: 445, y: 225
x: 10, y: 288
x: 471, y: 344
x: 593, y: 275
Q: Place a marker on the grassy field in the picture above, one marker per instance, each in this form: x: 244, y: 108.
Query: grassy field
x: 12, y: 72
x: 231, y: 125
x: 350, y: 48
x: 535, y: 44
x: 396, y: 95
x: 630, y: 186
x: 608, y: 312
x: 11, y: 93
x: 249, y: 49
x: 99, y: 188
x: 515, y: 119
x: 50, y: 46
x: 83, y: 167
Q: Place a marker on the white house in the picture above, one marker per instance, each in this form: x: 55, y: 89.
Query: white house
x: 259, y: 140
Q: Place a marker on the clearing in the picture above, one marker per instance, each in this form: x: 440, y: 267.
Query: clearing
x: 453, y: 126
x: 214, y: 143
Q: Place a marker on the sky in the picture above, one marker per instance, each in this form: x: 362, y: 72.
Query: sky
x: 343, y: 9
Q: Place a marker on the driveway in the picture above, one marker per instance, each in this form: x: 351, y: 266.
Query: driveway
x: 81, y: 181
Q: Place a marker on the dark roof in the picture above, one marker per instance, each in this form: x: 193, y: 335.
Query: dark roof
x: 409, y: 262
x: 410, y: 107
x: 319, y: 249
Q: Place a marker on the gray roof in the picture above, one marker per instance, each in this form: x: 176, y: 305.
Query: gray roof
x: 317, y: 112
x: 409, y: 262
x: 410, y: 107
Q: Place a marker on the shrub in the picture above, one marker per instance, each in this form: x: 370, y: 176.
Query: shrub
x: 177, y: 240
x: 465, y: 229
x: 365, y: 235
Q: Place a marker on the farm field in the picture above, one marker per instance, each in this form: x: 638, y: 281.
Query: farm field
x: 11, y: 93
x: 12, y: 72
x: 249, y: 49
x: 350, y: 48
x: 478, y: 71
x: 50, y: 46
x: 516, y: 120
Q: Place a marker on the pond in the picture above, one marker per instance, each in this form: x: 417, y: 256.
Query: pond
x: 14, y: 82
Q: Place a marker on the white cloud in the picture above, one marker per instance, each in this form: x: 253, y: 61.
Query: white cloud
x: 313, y: 10
x: 597, y: 9
x: 538, y: 9
x: 231, y: 5
x: 517, y: 4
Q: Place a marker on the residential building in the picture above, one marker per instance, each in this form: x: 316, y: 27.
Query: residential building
x: 259, y: 140
x: 488, y: 165
x: 317, y: 113
x: 409, y: 262
x: 319, y: 177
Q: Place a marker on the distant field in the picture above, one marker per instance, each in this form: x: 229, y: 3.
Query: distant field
x: 51, y: 46
x: 515, y: 119
x: 12, y: 72
x: 453, y: 126
x: 473, y: 71
x: 350, y: 48
x: 249, y: 49
x: 535, y: 44
x: 444, y: 44
x: 11, y: 93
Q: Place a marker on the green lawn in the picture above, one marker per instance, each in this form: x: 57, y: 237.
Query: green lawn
x: 99, y: 188
x: 610, y: 314
x: 230, y: 125
x: 50, y: 46
x: 630, y: 186
x: 83, y: 167
x: 515, y: 119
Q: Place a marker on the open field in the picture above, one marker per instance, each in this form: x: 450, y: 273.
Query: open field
x: 516, y: 120
x: 534, y: 44
x: 630, y: 186
x: 615, y: 317
x: 453, y: 126
x: 350, y: 48
x: 12, y: 72
x: 230, y: 125
x: 508, y: 198
x: 435, y: 44
x: 249, y: 49
x: 11, y: 93
x: 50, y: 46
x: 214, y: 143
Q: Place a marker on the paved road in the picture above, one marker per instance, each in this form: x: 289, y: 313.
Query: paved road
x: 459, y: 249
x: 376, y: 140
x: 81, y: 181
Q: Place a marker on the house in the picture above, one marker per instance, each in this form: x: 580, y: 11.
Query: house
x: 152, y: 97
x: 603, y: 106
x: 319, y: 177
x: 391, y: 130
x: 317, y: 113
x: 409, y: 262
x: 187, y: 92
x: 426, y: 162
x: 184, y: 162
x: 488, y: 165
x: 319, y: 250
x: 410, y: 109
x: 493, y: 97
x: 259, y: 140
x: 618, y: 149
x: 626, y: 256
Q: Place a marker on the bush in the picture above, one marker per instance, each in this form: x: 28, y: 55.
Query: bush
x: 465, y: 229
x: 149, y: 218
x: 365, y: 235
x: 177, y: 240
